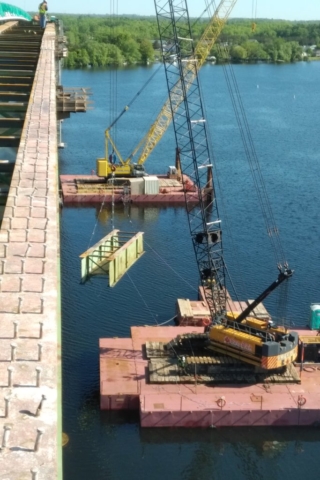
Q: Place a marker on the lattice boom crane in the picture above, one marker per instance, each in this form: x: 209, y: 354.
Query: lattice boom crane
x: 127, y: 167
x: 252, y: 340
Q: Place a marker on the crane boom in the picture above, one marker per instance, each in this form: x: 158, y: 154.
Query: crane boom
x: 251, y: 340
x: 202, y: 50
x: 181, y: 68
x: 164, y: 118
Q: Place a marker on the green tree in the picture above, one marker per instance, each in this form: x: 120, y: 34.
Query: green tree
x: 115, y: 56
x: 146, y: 51
x: 83, y: 59
x: 296, y: 51
x: 70, y: 61
x: 238, y: 53
x: 109, y: 40
x: 255, y: 51
x: 285, y: 52
x: 128, y: 46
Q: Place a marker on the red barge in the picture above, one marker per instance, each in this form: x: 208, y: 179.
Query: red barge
x: 153, y: 189
x: 167, y: 399
x: 124, y: 384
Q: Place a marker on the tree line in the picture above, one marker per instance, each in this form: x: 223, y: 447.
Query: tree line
x: 101, y: 41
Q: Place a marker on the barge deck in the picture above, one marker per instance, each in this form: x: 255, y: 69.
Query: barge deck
x: 91, y: 189
x: 125, y: 384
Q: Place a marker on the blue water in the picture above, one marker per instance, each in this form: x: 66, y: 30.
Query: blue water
x: 282, y: 105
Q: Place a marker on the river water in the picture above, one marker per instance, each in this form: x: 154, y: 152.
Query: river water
x: 282, y: 105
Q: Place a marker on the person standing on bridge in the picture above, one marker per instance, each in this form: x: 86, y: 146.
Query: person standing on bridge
x: 43, y: 8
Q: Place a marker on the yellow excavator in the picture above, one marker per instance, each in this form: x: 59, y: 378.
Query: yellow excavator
x: 106, y: 167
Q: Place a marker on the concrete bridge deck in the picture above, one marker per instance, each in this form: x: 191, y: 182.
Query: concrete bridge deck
x: 30, y: 389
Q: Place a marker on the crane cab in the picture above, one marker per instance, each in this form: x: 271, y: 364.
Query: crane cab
x: 106, y: 169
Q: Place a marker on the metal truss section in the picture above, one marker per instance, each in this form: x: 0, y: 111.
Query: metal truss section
x: 112, y: 256
x: 181, y: 68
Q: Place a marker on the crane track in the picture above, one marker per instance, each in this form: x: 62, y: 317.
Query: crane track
x: 214, y: 368
x: 221, y: 371
x: 187, y: 343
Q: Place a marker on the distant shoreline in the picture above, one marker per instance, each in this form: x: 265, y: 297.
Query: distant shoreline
x: 97, y: 41
x: 132, y: 66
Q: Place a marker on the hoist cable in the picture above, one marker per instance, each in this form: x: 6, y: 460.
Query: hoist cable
x: 113, y: 120
x: 126, y: 108
x: 255, y: 168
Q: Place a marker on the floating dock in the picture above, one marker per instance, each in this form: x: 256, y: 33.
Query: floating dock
x: 92, y: 189
x: 125, y: 383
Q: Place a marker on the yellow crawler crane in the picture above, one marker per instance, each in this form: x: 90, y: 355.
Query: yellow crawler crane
x: 256, y: 341
x: 105, y: 167
x: 253, y: 342
x: 245, y: 338
x: 270, y: 349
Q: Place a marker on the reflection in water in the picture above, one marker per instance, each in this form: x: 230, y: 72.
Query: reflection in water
x: 65, y: 439
x: 127, y: 212
x: 248, y: 453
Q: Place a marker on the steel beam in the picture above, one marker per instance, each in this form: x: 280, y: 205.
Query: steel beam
x: 12, y: 141
x: 11, y: 122
x: 12, y: 96
x: 27, y: 80
x: 13, y: 66
x: 13, y: 107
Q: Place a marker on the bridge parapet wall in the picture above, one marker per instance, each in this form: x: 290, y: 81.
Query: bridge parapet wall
x: 30, y: 290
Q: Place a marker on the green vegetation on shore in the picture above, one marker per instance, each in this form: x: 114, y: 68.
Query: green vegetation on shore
x: 100, y: 41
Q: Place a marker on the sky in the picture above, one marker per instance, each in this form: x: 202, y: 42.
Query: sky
x: 284, y: 9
